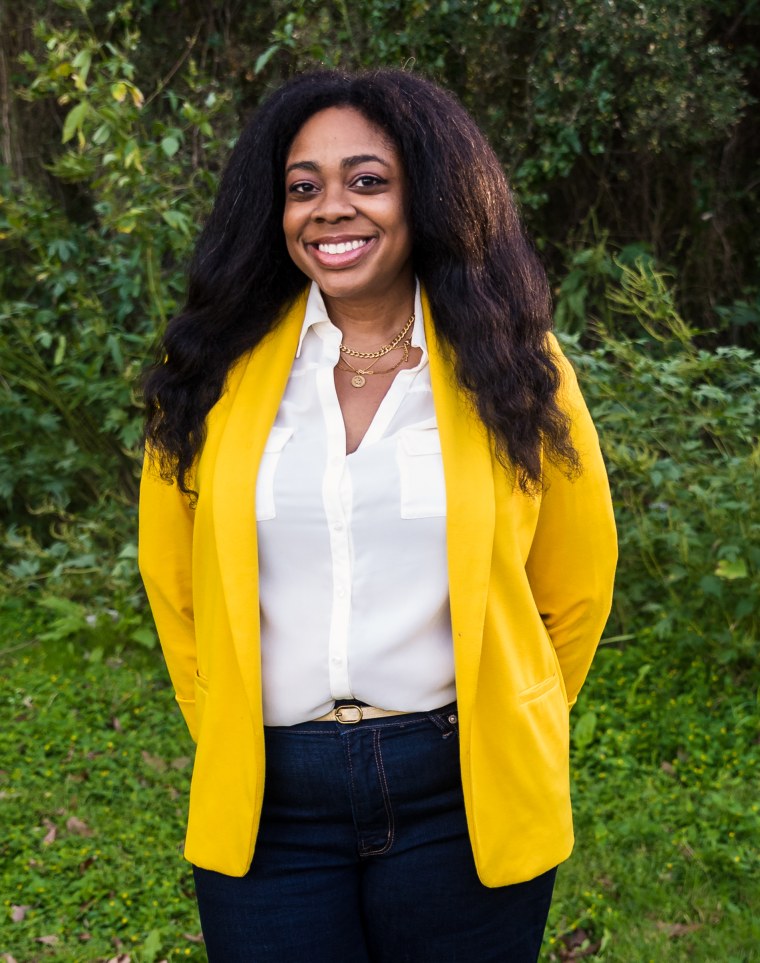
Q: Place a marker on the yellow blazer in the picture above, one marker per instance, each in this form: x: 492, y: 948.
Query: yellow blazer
x: 530, y: 583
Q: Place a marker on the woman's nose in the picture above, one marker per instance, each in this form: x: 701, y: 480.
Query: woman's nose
x: 334, y: 205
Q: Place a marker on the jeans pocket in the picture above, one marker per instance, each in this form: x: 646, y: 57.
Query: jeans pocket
x: 446, y: 720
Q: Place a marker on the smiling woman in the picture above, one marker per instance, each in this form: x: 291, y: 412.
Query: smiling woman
x: 377, y: 538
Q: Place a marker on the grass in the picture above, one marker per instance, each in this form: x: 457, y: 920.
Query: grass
x: 666, y: 804
x: 96, y: 764
x: 93, y: 785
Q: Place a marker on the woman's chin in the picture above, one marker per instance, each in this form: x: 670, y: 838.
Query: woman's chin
x: 355, y: 285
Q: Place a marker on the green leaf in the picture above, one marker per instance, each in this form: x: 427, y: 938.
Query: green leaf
x: 264, y: 58
x: 145, y: 637
x: 74, y: 120
x: 177, y: 220
x: 583, y: 732
x: 60, y: 350
x: 115, y: 350
x: 645, y: 669
x: 62, y: 606
x: 731, y: 568
x: 151, y: 946
x: 745, y: 607
x: 82, y: 63
x: 170, y: 146
x: 711, y: 585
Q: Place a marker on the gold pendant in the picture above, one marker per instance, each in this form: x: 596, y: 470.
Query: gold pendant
x: 358, y: 381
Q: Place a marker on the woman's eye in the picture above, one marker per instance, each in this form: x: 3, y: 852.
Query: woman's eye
x: 368, y: 180
x: 302, y: 187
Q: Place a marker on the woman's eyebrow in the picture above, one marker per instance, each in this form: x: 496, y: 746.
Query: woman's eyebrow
x: 362, y: 159
x: 345, y: 163
x: 302, y: 166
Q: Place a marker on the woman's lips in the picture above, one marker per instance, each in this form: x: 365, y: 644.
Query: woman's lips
x: 340, y: 252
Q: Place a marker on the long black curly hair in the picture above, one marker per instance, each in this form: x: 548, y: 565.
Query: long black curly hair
x: 488, y: 292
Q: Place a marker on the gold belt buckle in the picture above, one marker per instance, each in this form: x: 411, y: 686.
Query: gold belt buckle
x: 356, y: 714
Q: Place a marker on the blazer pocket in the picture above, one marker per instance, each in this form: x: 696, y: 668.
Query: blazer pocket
x: 537, y: 690
x: 423, y: 491
x: 265, y: 507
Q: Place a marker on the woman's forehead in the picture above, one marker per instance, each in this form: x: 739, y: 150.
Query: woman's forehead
x: 337, y: 133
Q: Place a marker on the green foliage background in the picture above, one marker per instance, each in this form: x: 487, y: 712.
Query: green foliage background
x: 629, y: 130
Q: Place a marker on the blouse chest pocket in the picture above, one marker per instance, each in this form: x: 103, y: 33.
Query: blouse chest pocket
x: 265, y: 505
x: 423, y: 492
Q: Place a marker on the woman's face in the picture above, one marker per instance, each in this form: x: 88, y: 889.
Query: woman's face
x: 345, y: 219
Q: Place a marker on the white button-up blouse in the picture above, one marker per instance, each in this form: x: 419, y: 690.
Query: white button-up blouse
x: 352, y: 548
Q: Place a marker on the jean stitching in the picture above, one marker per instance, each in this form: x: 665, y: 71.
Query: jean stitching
x: 442, y: 723
x: 347, y: 751
x: 386, y: 799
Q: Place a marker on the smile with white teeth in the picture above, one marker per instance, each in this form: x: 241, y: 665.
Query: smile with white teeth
x: 340, y: 248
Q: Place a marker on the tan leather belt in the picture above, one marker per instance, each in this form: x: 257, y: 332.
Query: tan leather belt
x: 349, y: 715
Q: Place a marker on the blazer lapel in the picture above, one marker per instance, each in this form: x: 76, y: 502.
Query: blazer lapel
x: 252, y: 414
x: 470, y: 512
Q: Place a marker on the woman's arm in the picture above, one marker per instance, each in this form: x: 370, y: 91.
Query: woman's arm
x: 571, y: 565
x: 165, y: 560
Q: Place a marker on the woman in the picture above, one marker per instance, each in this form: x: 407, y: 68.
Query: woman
x: 376, y: 537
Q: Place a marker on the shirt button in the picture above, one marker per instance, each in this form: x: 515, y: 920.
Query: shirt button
x: 341, y: 593
x: 338, y: 527
x: 335, y: 660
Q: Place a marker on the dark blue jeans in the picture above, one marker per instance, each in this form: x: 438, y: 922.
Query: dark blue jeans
x: 363, y: 855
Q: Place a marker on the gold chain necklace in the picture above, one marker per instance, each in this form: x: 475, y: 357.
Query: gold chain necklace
x: 360, y: 374
x: 386, y: 348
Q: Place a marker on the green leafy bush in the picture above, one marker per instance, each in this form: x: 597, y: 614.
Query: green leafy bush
x: 82, y: 294
x: 679, y: 428
x: 93, y: 264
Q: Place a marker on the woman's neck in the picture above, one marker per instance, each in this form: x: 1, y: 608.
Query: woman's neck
x: 365, y: 324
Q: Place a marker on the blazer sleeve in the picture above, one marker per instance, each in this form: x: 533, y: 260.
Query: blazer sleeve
x: 165, y: 560
x: 571, y: 565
